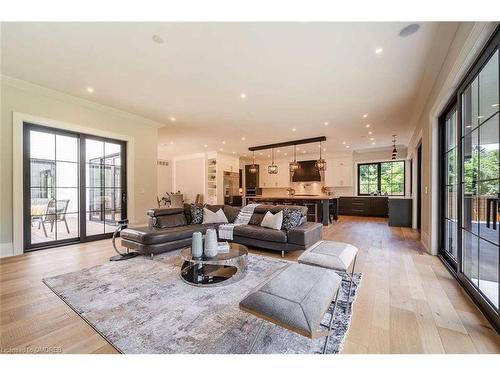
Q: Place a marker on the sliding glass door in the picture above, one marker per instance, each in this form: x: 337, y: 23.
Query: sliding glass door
x: 470, y: 182
x: 74, y: 187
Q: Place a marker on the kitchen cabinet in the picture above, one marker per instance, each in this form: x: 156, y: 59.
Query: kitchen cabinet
x: 338, y: 172
x: 364, y: 206
x: 281, y: 179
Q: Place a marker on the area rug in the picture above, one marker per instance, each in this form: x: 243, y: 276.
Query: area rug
x: 143, y: 306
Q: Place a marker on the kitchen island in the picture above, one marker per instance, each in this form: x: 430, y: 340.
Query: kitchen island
x: 319, y: 207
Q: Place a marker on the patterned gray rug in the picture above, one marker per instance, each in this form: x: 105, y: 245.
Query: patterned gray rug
x: 142, y: 306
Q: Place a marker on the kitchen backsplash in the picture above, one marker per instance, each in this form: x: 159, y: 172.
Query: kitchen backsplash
x: 306, y: 188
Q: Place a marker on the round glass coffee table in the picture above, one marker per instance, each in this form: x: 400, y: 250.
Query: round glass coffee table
x: 222, y: 269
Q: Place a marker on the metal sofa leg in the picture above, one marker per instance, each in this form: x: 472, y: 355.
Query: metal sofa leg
x: 282, y: 253
x: 152, y: 256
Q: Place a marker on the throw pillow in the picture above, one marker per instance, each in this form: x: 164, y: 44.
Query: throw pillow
x: 196, y: 214
x: 291, y: 218
x: 272, y: 221
x: 210, y: 217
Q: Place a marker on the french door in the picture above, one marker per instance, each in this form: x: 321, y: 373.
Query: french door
x: 470, y: 182
x: 74, y: 186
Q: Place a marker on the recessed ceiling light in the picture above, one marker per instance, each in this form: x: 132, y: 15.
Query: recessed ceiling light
x: 234, y: 152
x: 243, y: 139
x: 304, y: 151
x: 373, y: 143
x: 157, y: 39
x: 324, y: 150
x: 319, y: 146
x: 298, y: 148
x: 412, y: 28
x: 268, y: 155
x: 278, y: 151
x: 221, y: 149
x: 372, y: 139
x: 205, y: 146
x: 90, y: 90
x: 325, y: 123
x: 223, y: 142
x: 370, y: 132
x: 347, y: 146
x: 343, y: 142
x: 260, y: 153
x: 244, y: 154
x: 285, y: 153
x: 293, y: 129
x: 243, y: 95
x: 172, y: 119
x: 378, y: 51
x: 367, y: 125
x: 171, y: 142
x: 365, y: 115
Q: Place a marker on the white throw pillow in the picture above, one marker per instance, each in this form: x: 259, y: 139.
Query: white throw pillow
x: 210, y: 217
x: 272, y: 221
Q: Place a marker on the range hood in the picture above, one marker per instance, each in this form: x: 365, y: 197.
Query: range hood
x: 308, y: 171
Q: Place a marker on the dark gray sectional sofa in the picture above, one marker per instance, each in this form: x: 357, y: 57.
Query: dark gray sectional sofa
x: 170, y: 229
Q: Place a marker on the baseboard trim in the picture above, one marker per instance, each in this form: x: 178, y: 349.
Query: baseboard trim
x: 6, y: 249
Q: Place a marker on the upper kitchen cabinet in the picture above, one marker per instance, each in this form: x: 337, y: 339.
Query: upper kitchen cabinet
x: 280, y: 179
x: 338, y: 172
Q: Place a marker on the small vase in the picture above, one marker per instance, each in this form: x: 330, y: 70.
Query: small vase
x: 210, y: 243
x: 197, y: 245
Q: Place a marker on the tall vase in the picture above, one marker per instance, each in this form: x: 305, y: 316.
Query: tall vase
x: 210, y: 243
x: 197, y: 245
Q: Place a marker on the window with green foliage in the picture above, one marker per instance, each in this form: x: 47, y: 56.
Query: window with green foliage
x: 388, y: 178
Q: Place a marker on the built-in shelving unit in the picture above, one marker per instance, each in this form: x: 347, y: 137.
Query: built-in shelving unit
x: 211, y: 181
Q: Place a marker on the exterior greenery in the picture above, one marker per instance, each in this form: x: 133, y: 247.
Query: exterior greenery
x: 386, y: 177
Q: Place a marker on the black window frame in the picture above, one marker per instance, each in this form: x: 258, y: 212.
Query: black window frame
x: 379, y: 177
x: 455, y: 267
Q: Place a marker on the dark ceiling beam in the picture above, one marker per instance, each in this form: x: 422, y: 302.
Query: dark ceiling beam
x: 289, y: 143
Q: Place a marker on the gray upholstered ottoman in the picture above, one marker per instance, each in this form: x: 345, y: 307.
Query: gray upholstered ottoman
x: 337, y: 256
x: 296, y: 298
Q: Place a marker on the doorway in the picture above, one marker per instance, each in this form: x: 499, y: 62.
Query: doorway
x: 74, y: 186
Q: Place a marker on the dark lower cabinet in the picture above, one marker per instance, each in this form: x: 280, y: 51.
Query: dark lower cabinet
x: 364, y: 206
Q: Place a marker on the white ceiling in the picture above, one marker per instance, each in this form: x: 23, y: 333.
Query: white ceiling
x: 295, y: 75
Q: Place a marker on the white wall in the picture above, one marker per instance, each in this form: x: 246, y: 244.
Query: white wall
x: 189, y: 176
x: 164, y: 175
x: 61, y: 110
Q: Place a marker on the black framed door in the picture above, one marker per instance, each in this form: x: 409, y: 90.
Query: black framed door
x: 74, y: 186
x: 470, y: 179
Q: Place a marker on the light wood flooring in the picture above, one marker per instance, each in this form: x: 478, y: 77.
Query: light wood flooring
x: 407, y: 303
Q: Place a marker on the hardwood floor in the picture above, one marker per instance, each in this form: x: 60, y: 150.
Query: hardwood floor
x: 407, y: 303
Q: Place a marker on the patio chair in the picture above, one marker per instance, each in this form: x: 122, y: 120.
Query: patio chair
x: 55, y: 211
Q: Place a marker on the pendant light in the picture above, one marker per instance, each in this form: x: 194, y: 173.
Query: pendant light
x: 321, y: 163
x: 394, y: 150
x: 253, y: 167
x: 273, y: 168
x: 294, y: 165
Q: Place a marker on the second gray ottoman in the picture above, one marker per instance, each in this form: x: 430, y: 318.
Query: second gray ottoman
x: 337, y: 256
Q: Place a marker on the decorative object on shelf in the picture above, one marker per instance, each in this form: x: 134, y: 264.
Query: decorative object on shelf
x: 394, y: 150
x: 294, y: 165
x: 253, y: 167
x: 122, y: 224
x: 211, y: 244
x: 273, y: 168
x: 197, y: 245
x: 321, y: 163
